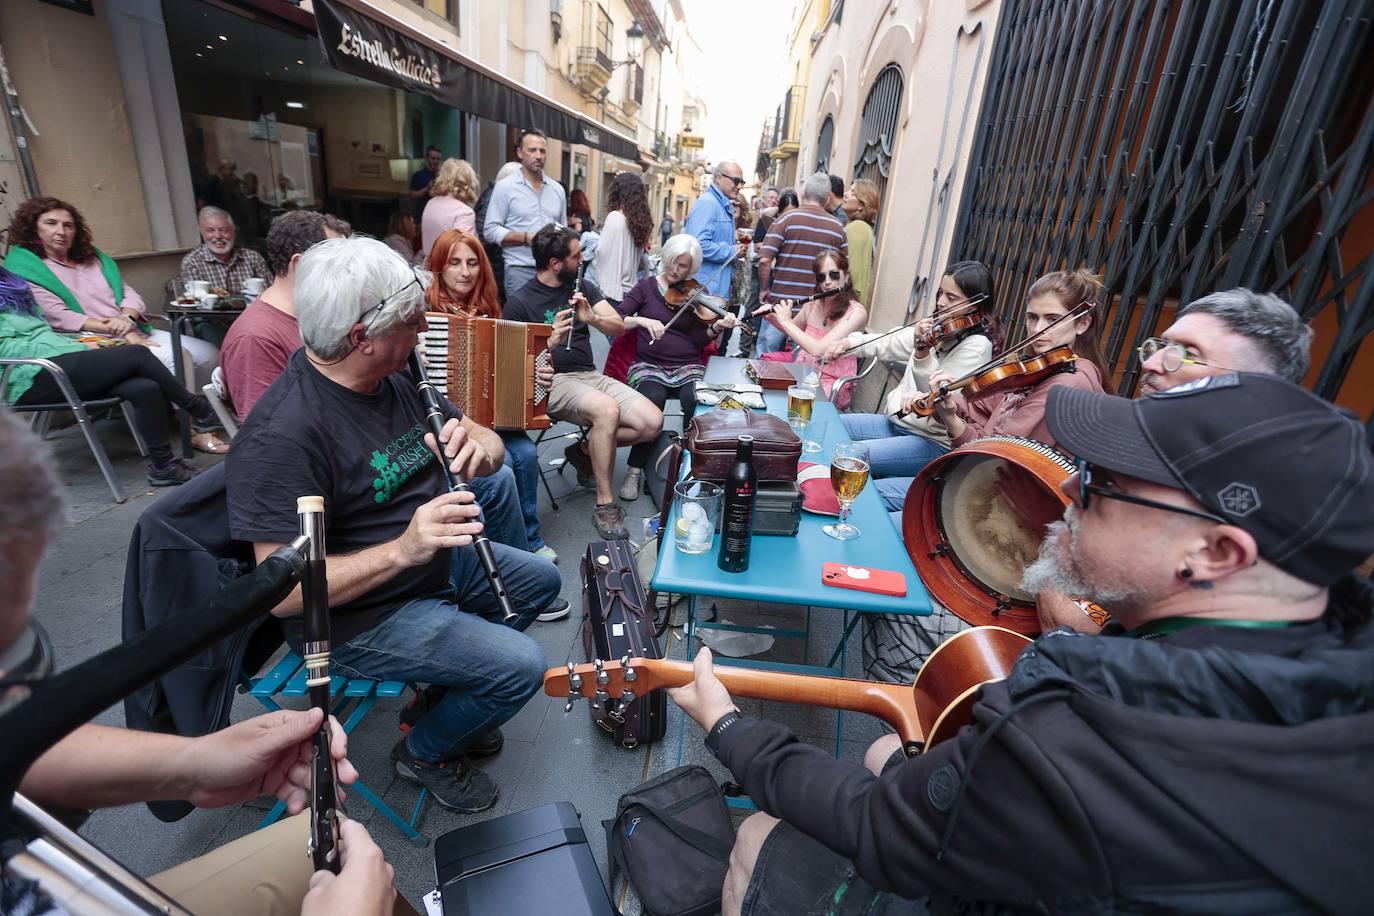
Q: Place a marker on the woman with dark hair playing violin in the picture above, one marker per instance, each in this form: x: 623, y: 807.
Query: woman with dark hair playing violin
x: 1020, y: 410
x: 961, y: 334
x: 823, y: 321
x: 670, y: 353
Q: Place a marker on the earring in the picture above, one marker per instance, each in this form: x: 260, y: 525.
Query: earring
x: 1186, y: 572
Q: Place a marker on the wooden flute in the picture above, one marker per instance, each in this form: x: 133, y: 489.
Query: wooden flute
x: 323, y: 844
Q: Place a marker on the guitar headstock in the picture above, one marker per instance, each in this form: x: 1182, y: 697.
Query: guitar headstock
x: 609, y: 685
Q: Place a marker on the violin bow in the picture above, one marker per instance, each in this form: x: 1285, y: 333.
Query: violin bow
x: 697, y: 294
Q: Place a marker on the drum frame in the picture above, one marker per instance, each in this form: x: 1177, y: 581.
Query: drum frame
x: 942, y: 571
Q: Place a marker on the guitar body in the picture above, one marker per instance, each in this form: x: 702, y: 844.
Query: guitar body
x: 949, y: 680
x: 932, y: 709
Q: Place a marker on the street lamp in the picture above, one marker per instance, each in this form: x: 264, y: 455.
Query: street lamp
x: 634, y: 44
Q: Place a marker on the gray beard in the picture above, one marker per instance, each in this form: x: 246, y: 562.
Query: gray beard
x: 1053, y: 571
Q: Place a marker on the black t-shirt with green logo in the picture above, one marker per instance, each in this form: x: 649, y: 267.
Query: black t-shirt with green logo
x: 536, y: 303
x: 364, y: 453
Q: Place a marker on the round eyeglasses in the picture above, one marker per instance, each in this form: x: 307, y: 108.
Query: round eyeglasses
x: 1172, y: 356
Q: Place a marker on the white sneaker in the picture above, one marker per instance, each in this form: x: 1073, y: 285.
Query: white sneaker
x: 633, y: 484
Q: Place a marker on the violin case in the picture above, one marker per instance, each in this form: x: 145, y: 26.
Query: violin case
x: 712, y: 438
x: 534, y: 861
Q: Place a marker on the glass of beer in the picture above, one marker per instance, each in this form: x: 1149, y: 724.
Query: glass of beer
x: 800, y: 400
x: 848, y: 475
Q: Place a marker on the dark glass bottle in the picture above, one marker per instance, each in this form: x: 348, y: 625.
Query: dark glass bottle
x: 737, y: 522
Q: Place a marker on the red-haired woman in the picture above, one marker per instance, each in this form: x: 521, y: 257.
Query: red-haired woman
x: 464, y: 285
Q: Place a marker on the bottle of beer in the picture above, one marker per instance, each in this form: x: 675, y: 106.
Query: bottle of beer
x: 737, y: 523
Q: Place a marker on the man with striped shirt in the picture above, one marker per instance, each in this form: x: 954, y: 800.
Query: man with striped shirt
x: 792, y: 243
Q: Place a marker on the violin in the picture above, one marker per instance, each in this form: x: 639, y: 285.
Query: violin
x: 1008, y: 375
x: 690, y: 293
x: 964, y: 319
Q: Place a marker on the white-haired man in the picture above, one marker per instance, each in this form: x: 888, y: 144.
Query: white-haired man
x: 1208, y: 752
x: 410, y: 599
x: 786, y: 271
x: 97, y: 766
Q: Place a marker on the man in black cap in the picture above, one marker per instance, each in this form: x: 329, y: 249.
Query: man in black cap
x: 1187, y: 759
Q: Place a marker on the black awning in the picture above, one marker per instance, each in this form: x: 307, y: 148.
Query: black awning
x: 360, y: 45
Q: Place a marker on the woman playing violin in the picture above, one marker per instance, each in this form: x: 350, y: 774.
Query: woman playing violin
x: 670, y: 363
x: 899, y: 447
x: 822, y: 322
x: 1021, y: 411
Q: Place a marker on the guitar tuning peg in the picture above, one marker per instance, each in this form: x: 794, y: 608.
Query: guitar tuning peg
x: 602, y: 676
x: 574, y: 679
x: 629, y: 675
x: 625, y: 660
x: 602, y: 697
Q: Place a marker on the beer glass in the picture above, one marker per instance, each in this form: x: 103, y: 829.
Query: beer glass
x: 800, y: 401
x: 848, y: 475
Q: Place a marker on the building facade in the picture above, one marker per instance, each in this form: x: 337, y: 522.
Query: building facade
x: 129, y: 110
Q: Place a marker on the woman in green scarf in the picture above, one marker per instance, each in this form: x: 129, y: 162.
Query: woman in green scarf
x: 127, y: 372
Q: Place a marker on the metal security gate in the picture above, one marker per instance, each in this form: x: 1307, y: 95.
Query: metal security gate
x: 1181, y: 148
x: 824, y: 141
x: 878, y: 128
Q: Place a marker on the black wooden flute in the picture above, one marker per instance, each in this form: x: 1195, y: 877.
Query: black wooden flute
x: 434, y: 414
x: 323, y: 844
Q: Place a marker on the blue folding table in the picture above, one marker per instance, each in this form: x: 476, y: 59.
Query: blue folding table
x: 787, y: 570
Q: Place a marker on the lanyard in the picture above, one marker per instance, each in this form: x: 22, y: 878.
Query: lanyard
x: 1169, y: 625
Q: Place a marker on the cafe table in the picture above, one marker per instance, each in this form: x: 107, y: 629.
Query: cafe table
x: 178, y: 312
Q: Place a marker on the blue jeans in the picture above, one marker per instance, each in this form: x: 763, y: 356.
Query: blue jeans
x: 523, y: 461
x: 895, y: 453
x: 499, y: 496
x: 771, y: 339
x: 492, y: 669
x: 517, y: 275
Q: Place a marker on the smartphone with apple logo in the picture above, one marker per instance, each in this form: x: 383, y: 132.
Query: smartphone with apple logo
x: 864, y: 579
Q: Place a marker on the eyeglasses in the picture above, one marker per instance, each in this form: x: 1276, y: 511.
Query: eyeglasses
x: 830, y: 275
x: 414, y: 281
x: 1172, y: 356
x: 27, y: 662
x: 1087, y: 474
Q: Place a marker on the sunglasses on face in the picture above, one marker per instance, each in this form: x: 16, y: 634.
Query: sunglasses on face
x: 737, y: 181
x: 1094, y: 480
x: 830, y: 275
x: 1172, y: 356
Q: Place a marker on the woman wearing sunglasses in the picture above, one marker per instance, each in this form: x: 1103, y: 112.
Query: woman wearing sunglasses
x: 822, y: 323
x: 899, y: 446
x: 1022, y: 413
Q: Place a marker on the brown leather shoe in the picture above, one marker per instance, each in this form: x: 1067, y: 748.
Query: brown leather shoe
x: 209, y: 443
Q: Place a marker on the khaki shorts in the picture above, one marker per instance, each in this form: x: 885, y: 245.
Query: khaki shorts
x: 569, y: 389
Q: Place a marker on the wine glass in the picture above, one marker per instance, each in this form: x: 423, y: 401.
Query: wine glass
x: 848, y: 475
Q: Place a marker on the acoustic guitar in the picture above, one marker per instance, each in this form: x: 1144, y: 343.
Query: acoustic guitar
x: 934, y: 708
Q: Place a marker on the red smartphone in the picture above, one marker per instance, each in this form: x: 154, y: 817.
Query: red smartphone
x: 864, y: 579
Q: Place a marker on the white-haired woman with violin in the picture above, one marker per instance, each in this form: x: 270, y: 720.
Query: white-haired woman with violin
x: 825, y: 320
x: 670, y: 353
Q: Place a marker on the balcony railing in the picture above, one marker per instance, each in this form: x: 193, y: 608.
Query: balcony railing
x: 594, y: 61
x: 786, y: 126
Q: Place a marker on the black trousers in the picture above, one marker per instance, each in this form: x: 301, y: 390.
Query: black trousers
x: 686, y: 396
x: 129, y: 372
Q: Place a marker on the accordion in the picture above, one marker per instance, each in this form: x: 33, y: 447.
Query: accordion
x: 486, y: 366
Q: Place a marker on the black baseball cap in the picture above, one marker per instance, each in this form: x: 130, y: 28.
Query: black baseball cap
x: 1274, y: 459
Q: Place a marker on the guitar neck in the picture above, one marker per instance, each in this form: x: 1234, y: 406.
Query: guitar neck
x: 892, y: 703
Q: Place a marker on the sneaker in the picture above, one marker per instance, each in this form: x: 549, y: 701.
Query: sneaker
x: 455, y: 784
x: 172, y: 474
x: 487, y: 744
x: 610, y: 521
x: 555, y: 611
x: 582, y: 464
x: 547, y: 553
x: 633, y: 484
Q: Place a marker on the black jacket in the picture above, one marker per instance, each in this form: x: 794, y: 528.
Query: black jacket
x: 1216, y: 769
x: 180, y: 553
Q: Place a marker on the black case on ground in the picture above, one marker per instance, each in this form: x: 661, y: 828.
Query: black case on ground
x: 534, y: 861
x: 618, y: 621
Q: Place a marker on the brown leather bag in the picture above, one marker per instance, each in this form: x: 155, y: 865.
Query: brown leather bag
x: 713, y: 436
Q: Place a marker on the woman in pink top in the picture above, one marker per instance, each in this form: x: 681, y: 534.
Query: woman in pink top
x: 450, y: 204
x: 822, y: 323
x: 80, y: 290
x: 1022, y: 413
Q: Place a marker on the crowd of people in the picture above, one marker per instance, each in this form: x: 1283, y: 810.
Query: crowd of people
x: 1164, y: 762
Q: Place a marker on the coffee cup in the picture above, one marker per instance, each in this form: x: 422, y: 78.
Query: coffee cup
x: 254, y: 286
x: 200, y: 288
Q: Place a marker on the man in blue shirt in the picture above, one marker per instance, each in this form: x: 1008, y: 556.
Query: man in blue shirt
x: 520, y: 206
x: 423, y: 178
x: 712, y: 221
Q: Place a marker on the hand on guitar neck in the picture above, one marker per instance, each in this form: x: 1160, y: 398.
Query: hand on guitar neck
x: 923, y: 714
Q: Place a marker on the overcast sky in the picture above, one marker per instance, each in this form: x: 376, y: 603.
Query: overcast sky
x: 745, y: 46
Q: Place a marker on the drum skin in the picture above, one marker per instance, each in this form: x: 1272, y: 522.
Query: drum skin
x: 947, y: 576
